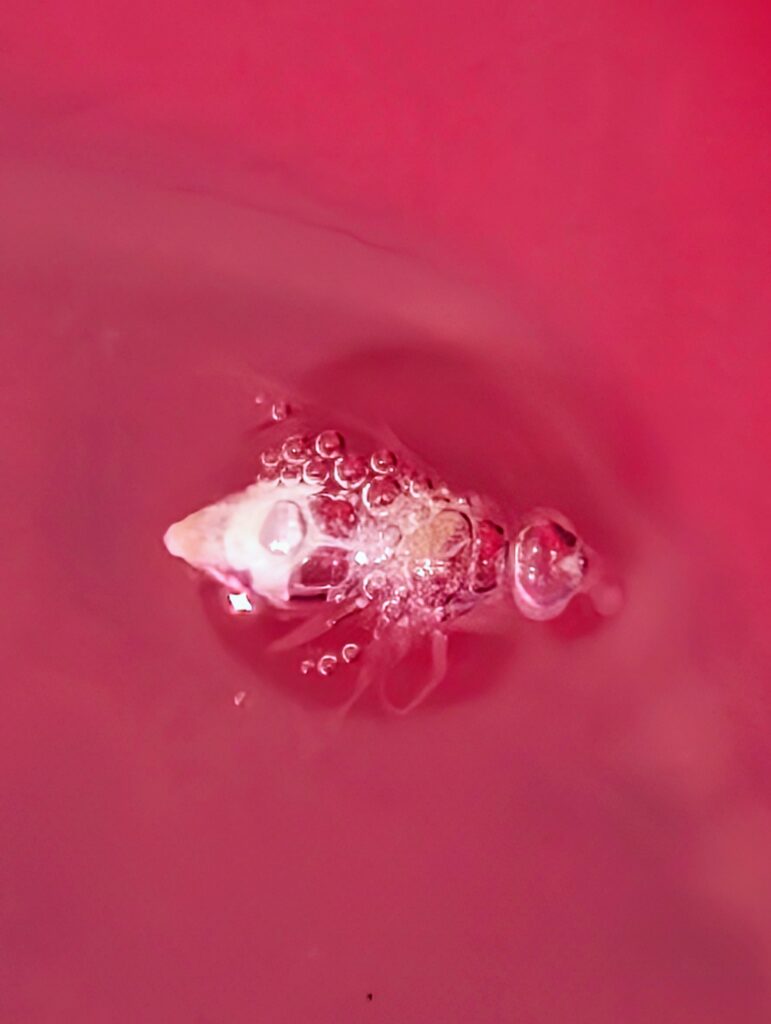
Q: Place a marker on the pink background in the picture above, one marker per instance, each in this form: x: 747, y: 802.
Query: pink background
x: 530, y: 237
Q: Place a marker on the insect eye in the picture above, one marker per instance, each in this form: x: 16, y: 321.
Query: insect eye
x: 549, y: 567
x: 283, y: 529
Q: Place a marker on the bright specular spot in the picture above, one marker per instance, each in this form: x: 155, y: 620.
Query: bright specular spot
x: 240, y: 604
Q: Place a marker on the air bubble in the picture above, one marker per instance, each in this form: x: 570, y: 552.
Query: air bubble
x: 380, y: 493
x: 270, y: 457
x: 349, y: 653
x: 329, y: 444
x: 280, y: 411
x: 283, y: 529
x: 315, y: 471
x: 549, y: 568
x: 383, y: 461
x: 291, y: 474
x: 326, y: 664
x: 239, y: 698
x: 307, y: 666
x: 351, y: 471
x: 295, y: 449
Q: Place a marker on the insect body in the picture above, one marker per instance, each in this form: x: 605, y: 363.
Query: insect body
x: 370, y: 539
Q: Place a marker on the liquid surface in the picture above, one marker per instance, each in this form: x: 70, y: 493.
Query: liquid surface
x: 558, y: 300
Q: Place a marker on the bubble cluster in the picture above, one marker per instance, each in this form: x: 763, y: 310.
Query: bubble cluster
x: 373, y: 533
x: 328, y: 661
x: 393, y: 540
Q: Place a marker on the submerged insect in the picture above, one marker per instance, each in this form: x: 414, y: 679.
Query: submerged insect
x: 370, y: 548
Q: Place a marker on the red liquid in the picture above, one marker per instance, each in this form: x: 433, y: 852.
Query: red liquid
x: 577, y: 826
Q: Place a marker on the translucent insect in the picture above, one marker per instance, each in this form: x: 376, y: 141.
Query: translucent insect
x: 369, y: 541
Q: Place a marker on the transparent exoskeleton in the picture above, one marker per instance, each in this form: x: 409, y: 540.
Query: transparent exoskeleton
x: 369, y: 539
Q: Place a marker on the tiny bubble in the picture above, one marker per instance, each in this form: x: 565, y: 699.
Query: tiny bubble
x: 315, y: 471
x: 380, y: 493
x: 239, y: 698
x: 383, y: 461
x: 350, y: 471
x: 307, y: 666
x: 291, y: 474
x: 270, y: 457
x: 326, y: 664
x: 295, y: 449
x: 280, y: 411
x: 329, y: 444
x: 349, y: 653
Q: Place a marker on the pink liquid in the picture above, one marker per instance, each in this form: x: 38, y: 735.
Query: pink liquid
x: 531, y: 247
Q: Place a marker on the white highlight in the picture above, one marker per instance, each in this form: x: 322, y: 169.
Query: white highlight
x: 252, y: 539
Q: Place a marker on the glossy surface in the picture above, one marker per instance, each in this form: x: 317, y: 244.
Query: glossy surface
x: 530, y: 239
